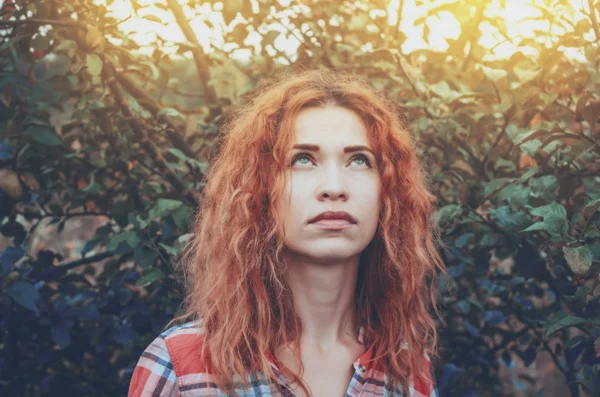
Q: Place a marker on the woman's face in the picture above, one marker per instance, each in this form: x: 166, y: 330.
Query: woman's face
x: 333, y: 171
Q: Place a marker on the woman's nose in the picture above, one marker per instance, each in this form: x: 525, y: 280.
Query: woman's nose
x: 332, y: 183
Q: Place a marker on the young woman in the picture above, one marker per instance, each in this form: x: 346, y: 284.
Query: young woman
x: 314, y: 264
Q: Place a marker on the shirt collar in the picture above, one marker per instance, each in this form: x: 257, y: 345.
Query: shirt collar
x: 362, y: 364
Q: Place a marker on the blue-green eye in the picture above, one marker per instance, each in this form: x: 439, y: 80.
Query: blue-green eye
x: 301, y: 156
x: 304, y: 155
x: 364, y: 158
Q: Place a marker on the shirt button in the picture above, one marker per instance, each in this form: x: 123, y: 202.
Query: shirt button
x: 362, y: 368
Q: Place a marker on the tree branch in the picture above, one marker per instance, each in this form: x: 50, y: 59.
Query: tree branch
x: 35, y: 215
x: 149, y: 103
x: 594, y: 19
x: 397, y: 30
x: 109, y: 75
x: 478, y: 19
x: 38, y: 21
x: 85, y: 261
x: 200, y: 59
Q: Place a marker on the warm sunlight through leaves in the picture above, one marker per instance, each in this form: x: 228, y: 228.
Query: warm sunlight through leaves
x: 516, y: 20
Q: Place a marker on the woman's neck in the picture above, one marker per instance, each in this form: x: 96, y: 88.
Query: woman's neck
x: 324, y: 299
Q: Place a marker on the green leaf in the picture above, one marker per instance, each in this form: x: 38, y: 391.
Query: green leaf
x: 564, y: 322
x: 66, y: 45
x: 494, y: 74
x: 593, y: 205
x: 447, y: 213
x: 231, y: 8
x: 545, y: 186
x: 556, y: 225
x: 130, y: 237
x: 463, y: 240
x: 535, y: 226
x: 25, y: 294
x: 516, y: 195
x: 44, y: 134
x: 153, y: 18
x: 463, y: 306
x: 181, y: 217
x: 526, y: 75
x: 555, y: 220
x: 170, y: 250
x: 550, y: 209
x: 579, y: 259
x: 173, y: 115
x: 475, y: 302
x: 270, y: 36
x: 510, y: 220
x: 93, y: 188
x: 443, y: 90
x: 93, y: 64
x: 162, y: 206
x: 141, y: 222
x: 531, y: 147
x: 531, y: 172
x: 179, y: 154
x: 358, y: 22
x: 148, y: 277
x: 39, y: 42
x: 144, y: 256
x: 60, y: 66
x: 239, y: 33
x: 494, y: 184
x: 514, y: 132
x: 590, y: 113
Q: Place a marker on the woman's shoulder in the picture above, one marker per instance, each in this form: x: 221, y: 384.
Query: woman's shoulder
x: 182, y: 334
x: 183, y: 343
x: 171, y: 361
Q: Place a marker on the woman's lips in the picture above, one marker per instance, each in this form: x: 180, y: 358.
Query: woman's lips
x: 333, y: 223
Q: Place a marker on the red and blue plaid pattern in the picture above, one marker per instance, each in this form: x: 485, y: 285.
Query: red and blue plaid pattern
x: 171, y: 367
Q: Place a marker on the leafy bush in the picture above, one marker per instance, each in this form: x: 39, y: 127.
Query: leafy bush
x: 103, y: 149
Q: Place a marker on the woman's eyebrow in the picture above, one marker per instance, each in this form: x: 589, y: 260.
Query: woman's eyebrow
x: 347, y: 149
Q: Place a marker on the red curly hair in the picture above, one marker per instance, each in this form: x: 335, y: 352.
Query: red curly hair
x: 233, y: 267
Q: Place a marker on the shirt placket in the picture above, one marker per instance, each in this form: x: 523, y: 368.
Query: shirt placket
x: 356, y: 383
x: 286, y: 392
x: 358, y: 379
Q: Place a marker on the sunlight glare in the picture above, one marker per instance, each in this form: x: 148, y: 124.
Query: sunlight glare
x: 516, y: 16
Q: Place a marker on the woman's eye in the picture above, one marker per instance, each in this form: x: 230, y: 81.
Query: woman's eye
x: 364, y: 158
x: 301, y: 156
x: 308, y: 157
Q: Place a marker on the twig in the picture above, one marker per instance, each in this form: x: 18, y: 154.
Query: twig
x: 35, y: 215
x: 85, y: 261
x: 480, y: 165
x: 479, y: 18
x: 397, y: 29
x: 492, y: 225
x: 594, y: 19
x: 413, y: 86
x: 290, y: 31
x: 37, y: 21
x: 200, y: 59
x: 112, y: 25
x: 498, y: 138
x: 410, y: 82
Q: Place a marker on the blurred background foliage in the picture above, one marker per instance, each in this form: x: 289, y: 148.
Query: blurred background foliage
x: 108, y: 110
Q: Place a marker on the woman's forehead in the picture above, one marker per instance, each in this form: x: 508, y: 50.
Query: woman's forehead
x: 331, y: 118
x: 328, y: 129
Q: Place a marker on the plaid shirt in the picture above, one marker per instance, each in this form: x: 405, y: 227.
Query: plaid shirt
x: 168, y: 368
